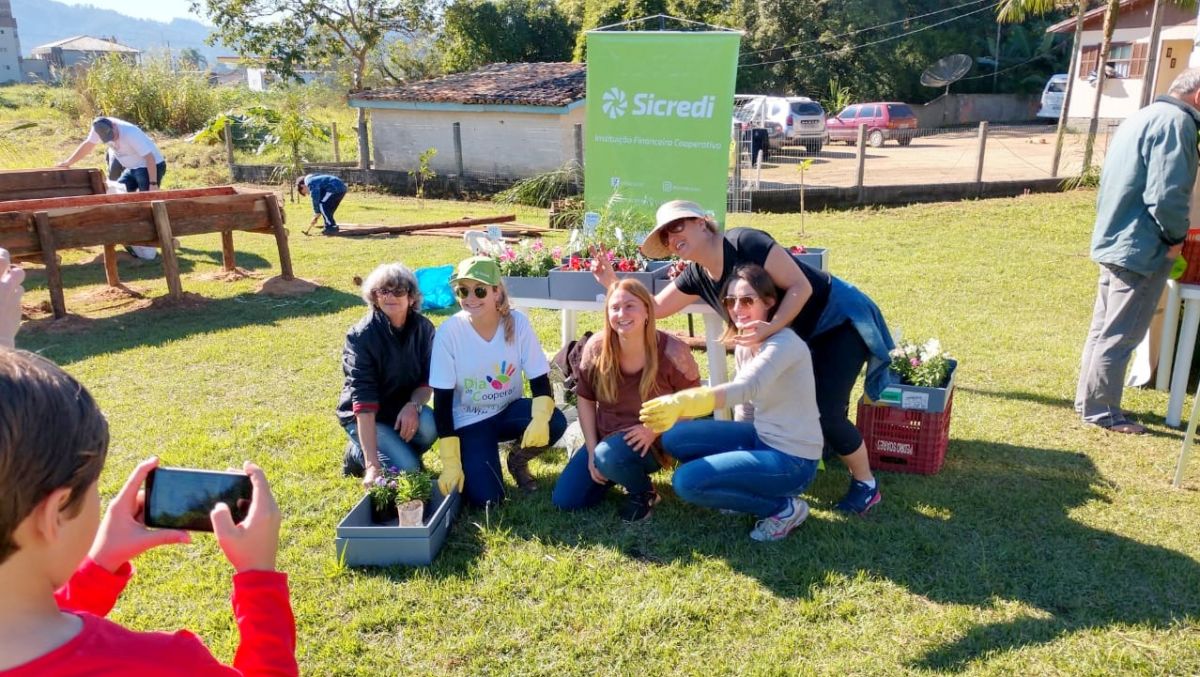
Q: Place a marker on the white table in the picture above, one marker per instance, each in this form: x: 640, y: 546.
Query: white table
x: 1181, y: 356
x: 713, y: 327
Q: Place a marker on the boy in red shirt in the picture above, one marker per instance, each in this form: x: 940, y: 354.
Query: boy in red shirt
x: 53, y: 441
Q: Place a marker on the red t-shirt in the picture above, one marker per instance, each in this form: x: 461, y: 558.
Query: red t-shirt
x: 260, y: 607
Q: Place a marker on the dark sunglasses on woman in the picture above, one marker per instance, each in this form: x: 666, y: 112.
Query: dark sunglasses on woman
x: 463, y: 292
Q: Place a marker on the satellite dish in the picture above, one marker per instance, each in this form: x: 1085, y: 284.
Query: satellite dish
x: 946, y: 70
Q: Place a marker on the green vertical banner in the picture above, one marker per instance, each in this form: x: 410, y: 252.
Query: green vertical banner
x: 659, y: 118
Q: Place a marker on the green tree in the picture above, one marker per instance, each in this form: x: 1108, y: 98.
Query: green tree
x: 288, y: 34
x: 478, y: 32
x: 191, y: 59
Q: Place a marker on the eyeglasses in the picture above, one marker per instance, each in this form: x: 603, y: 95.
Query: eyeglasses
x: 463, y: 292
x: 737, y: 301
x: 676, y: 227
x: 394, y: 293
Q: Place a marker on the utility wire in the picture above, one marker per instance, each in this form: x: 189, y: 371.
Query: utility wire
x: 869, y: 28
x: 868, y: 44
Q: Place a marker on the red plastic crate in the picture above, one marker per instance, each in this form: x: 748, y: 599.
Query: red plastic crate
x: 1191, y: 254
x: 905, y: 440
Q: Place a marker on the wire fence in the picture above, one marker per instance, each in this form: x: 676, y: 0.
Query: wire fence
x: 935, y: 156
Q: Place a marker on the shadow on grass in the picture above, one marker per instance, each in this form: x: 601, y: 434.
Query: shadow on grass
x: 993, y: 527
x: 131, y: 269
x: 161, y: 320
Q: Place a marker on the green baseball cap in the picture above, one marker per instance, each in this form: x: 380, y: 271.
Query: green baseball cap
x: 480, y: 269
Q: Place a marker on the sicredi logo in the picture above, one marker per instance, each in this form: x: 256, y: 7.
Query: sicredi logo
x: 615, y: 104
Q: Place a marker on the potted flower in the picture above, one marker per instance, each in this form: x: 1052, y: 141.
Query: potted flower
x: 926, y: 376
x: 525, y: 268
x: 616, y: 232
x: 412, y: 491
x: 383, y: 495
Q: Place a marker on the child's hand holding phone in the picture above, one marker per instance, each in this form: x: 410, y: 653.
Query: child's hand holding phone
x: 122, y: 535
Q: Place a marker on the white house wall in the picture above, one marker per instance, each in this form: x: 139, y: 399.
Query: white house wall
x: 1122, y: 96
x: 499, y: 144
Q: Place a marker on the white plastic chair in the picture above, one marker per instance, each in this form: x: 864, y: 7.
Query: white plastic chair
x: 479, y: 243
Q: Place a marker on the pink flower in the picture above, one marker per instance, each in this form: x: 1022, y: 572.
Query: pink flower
x: 914, y: 361
x: 556, y: 253
x: 538, y: 246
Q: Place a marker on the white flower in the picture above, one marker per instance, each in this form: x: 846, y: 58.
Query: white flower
x: 933, y: 347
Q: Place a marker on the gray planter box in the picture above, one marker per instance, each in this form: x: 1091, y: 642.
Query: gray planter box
x: 360, y: 542
x: 528, y: 287
x: 661, y: 283
x: 573, y: 285
x: 931, y: 400
x: 815, y: 257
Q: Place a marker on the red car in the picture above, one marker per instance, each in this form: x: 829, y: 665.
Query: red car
x: 884, y: 120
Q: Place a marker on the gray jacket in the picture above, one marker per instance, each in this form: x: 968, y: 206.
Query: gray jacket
x: 1146, y: 185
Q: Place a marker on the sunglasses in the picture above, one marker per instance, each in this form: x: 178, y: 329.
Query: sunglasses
x: 463, y: 292
x: 738, y: 301
x: 394, y: 293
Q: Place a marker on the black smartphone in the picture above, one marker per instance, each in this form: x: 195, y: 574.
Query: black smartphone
x: 182, y: 498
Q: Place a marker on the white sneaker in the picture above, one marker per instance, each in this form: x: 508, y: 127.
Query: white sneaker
x: 775, y: 528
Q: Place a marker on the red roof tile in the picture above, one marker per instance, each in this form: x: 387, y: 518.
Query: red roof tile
x: 527, y: 84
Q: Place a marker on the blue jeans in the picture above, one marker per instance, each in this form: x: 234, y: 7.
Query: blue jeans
x: 479, y: 446
x: 139, y: 179
x: 393, y: 450
x: 726, y: 466
x: 616, y: 460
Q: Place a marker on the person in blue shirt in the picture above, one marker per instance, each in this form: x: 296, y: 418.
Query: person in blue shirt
x: 327, y: 193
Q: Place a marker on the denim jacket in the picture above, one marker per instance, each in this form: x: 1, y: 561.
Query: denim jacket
x: 1146, y: 185
x: 847, y: 302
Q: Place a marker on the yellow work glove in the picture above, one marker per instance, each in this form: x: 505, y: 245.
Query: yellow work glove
x: 660, y: 413
x: 452, y: 473
x: 537, y: 433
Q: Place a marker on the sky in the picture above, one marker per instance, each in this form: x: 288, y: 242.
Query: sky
x: 159, y: 10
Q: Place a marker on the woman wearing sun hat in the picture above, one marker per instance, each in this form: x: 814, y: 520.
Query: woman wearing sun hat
x: 481, y: 356
x: 842, y: 326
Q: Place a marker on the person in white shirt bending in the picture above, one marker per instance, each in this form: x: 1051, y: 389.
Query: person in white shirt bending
x: 143, y: 161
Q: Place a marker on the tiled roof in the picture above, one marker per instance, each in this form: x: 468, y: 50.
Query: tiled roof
x: 85, y: 43
x: 528, y: 84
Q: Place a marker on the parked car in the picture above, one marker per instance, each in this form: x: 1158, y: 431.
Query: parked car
x: 1053, y: 95
x: 769, y: 112
x: 884, y: 120
x: 806, y: 123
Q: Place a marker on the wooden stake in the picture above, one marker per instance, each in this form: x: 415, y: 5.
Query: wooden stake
x: 227, y: 253
x: 97, y: 181
x: 50, y: 259
x: 337, y: 153
x: 166, y: 241
x: 281, y: 238
x: 110, y: 265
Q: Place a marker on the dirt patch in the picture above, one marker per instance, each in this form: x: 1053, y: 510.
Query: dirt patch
x: 36, y: 311
x: 186, y: 300
x: 108, y: 294
x: 71, y: 324
x: 230, y: 275
x: 277, y: 286
x: 122, y: 257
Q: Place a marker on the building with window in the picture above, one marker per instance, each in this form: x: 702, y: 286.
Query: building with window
x: 1130, y: 66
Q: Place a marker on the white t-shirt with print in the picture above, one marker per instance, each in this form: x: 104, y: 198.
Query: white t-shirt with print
x: 486, y: 375
x: 131, y: 145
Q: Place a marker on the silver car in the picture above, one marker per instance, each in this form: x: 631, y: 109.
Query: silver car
x: 792, y: 120
x: 806, y: 123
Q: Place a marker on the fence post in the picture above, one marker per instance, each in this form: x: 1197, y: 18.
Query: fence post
x: 983, y: 127
x: 862, y: 161
x: 337, y: 153
x: 228, y: 134
x: 579, y: 157
x: 458, y: 159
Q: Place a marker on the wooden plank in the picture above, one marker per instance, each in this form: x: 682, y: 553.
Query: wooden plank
x: 112, y: 198
x: 228, y: 260
x: 346, y: 231
x: 110, y: 265
x: 17, y: 234
x: 281, y: 238
x: 50, y: 259
x: 166, y: 239
x: 98, y: 185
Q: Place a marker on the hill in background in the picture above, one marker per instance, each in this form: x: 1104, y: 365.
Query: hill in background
x: 43, y: 21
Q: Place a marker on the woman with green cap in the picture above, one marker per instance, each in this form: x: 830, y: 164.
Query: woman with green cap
x: 481, y: 356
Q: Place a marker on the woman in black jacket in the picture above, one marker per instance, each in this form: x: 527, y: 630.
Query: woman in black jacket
x: 383, y: 406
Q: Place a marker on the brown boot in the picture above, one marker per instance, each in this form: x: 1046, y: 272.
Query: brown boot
x: 518, y: 467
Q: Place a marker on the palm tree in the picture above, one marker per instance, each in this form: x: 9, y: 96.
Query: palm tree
x: 1015, y: 11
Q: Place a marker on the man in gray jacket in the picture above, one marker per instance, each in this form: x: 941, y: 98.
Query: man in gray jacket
x: 1141, y: 222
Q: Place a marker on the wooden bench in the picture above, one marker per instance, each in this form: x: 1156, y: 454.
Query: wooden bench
x: 26, y: 184
x: 39, y: 228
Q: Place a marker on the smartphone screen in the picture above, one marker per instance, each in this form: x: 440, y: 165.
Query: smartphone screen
x: 181, y: 498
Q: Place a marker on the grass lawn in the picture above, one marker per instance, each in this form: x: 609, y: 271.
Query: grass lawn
x: 1044, y: 546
